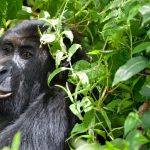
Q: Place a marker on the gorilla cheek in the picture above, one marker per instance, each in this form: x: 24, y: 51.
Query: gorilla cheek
x: 6, y: 84
x: 20, y: 63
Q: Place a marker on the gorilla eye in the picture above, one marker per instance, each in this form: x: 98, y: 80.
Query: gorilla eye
x: 7, y: 48
x: 25, y: 54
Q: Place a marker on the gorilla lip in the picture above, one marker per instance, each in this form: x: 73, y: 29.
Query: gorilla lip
x: 5, y: 94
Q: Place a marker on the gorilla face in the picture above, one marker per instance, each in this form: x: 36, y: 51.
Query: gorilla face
x: 24, y: 65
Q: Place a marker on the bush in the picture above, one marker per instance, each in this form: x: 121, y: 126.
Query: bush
x: 115, y: 82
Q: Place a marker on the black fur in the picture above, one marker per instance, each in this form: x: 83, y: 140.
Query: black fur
x: 39, y: 112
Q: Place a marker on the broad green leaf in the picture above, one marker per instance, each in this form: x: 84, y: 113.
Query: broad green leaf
x: 90, y: 137
x: 47, y: 38
x: 108, y: 122
x: 6, y: 148
x: 81, y: 65
x: 94, y: 52
x: 76, y: 109
x: 146, y: 119
x: 25, y: 13
x: 132, y: 67
x: 3, y: 11
x: 133, y: 12
x: 39, y: 4
x: 69, y: 35
x: 110, y: 146
x: 92, y: 146
x: 44, y: 14
x: 136, y: 140
x: 77, y: 143
x: 86, y: 104
x: 79, y: 128
x: 97, y: 52
x: 55, y: 72
x: 59, y: 56
x: 100, y: 132
x: 83, y: 78
x: 131, y: 122
x: 121, y: 144
x: 72, y: 50
x: 141, y: 47
x: 145, y: 91
x: 148, y: 33
x: 89, y: 119
x: 13, y: 7
x: 113, y: 104
x: 16, y: 141
x: 62, y: 45
x: 145, y: 12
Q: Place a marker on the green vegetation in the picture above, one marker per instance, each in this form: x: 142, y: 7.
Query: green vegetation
x: 116, y: 80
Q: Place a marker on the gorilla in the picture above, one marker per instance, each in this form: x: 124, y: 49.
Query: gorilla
x: 27, y: 103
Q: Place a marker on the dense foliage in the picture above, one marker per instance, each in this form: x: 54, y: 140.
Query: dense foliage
x: 115, y: 82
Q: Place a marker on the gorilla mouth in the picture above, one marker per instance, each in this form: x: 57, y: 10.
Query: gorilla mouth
x: 4, y: 94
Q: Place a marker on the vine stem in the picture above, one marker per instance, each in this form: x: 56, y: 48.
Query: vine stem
x: 131, y: 40
x: 78, y: 13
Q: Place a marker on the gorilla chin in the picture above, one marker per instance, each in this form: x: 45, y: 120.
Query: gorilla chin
x: 27, y: 104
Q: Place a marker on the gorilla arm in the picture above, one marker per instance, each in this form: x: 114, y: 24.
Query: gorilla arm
x: 44, y: 125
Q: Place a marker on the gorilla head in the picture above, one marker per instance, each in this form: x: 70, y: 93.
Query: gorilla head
x: 26, y: 102
x: 24, y: 65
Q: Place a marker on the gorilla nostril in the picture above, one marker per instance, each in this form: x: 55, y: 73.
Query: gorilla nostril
x: 3, y: 71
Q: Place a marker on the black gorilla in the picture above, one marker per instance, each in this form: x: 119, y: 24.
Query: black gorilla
x: 26, y: 102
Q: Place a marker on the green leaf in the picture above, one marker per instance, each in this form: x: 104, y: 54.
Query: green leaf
x: 72, y: 50
x: 47, y: 38
x: 132, y: 67
x: 136, y: 140
x: 6, y: 148
x: 69, y: 35
x: 133, y: 12
x: 86, y: 136
x: 79, y: 128
x: 86, y: 104
x: 92, y: 146
x: 121, y: 144
x: 110, y: 146
x: 89, y: 119
x: 44, y: 14
x: 100, y: 132
x: 148, y: 34
x: 145, y: 12
x: 146, y: 119
x: 83, y: 78
x: 16, y: 141
x: 76, y: 143
x: 3, y: 10
x: 131, y: 122
x: 76, y: 109
x: 39, y: 4
x: 141, y: 47
x: 58, y: 59
x: 25, y: 13
x: 108, y: 122
x: 13, y: 7
x: 55, y: 72
x: 81, y: 65
x: 145, y: 91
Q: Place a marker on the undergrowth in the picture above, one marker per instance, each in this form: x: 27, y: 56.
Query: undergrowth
x: 115, y: 82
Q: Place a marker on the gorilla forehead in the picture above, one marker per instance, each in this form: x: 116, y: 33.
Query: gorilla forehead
x: 24, y: 33
x: 27, y: 28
